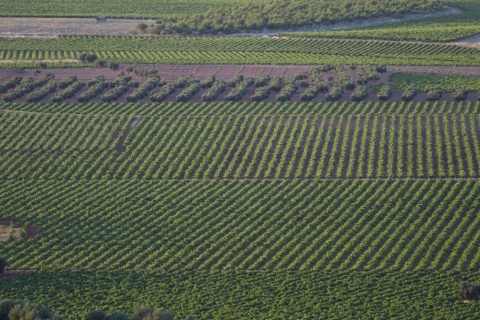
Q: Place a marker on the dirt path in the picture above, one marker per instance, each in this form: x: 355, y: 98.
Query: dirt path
x: 354, y: 24
x: 53, y: 27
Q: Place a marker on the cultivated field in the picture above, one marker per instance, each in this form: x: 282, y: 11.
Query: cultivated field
x: 315, y: 175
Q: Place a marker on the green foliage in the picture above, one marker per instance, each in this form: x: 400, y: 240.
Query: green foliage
x: 3, y: 264
x: 285, y: 14
x: 444, y: 28
x: 399, y: 81
x: 237, y: 50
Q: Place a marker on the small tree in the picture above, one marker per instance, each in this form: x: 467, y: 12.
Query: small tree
x: 142, y: 27
x: 3, y: 264
x: 96, y: 315
x: 469, y: 292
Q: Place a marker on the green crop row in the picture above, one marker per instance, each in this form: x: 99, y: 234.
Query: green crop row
x: 169, y: 109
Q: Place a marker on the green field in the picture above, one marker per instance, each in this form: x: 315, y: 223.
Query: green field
x: 241, y: 50
x: 446, y: 28
x: 241, y: 210
x: 115, y: 8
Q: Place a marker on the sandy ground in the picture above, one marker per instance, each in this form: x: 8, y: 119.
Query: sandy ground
x: 53, y: 27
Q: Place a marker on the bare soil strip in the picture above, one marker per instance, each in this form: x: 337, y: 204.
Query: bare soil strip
x: 53, y: 27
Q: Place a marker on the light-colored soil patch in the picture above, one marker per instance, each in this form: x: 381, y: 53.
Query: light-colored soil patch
x: 9, y: 230
x: 53, y: 27
x: 355, y: 24
x: 471, y: 42
x: 15, y: 273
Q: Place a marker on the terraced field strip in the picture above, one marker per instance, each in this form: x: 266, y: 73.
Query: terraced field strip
x: 245, y: 225
x: 236, y: 50
x: 35, y: 146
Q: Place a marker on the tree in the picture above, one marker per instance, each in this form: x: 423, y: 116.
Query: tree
x: 3, y: 264
x: 142, y: 27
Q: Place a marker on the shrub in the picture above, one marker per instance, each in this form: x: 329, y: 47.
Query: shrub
x: 67, y: 81
x: 10, y: 84
x: 261, y: 81
x: 164, y: 92
x: 372, y: 73
x: 144, y: 89
x: 434, y: 93
x: 381, y: 68
x: 359, y: 94
x: 260, y: 94
x: 459, y: 93
x: 96, y: 315
x: 275, y: 84
x: 409, y: 93
x: 335, y: 93
x: 26, y: 85
x: 68, y: 92
x: 215, y: 90
x: 385, y: 93
x: 361, y: 78
x: 92, y: 92
x: 182, y: 82
x: 88, y: 57
x: 235, y: 80
x: 42, y: 93
x: 238, y: 91
x: 208, y: 82
x: 189, y: 92
x: 102, y: 63
x: 288, y: 90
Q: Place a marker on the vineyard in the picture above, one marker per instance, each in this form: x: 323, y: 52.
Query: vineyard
x: 236, y: 50
x: 36, y: 146
x: 310, y: 175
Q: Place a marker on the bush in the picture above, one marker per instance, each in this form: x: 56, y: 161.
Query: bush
x: 144, y: 89
x: 182, y: 82
x: 275, y: 84
x: 215, y: 90
x: 409, y: 93
x: 434, y: 93
x: 288, y: 90
x: 261, y: 81
x: 164, y: 92
x: 469, y: 292
x: 10, y: 84
x: 26, y: 85
x: 235, y: 80
x: 96, y: 315
x: 3, y: 265
x: 385, y: 93
x: 260, y: 94
x: 208, y: 82
x: 238, y: 91
x: 189, y: 92
x: 42, y: 93
x: 381, y: 68
x: 67, y: 81
x: 335, y: 93
x: 359, y: 94
x: 68, y: 92
x: 88, y: 57
x: 459, y: 93
x: 92, y: 92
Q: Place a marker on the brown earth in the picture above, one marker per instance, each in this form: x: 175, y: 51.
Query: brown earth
x: 15, y: 273
x: 30, y: 231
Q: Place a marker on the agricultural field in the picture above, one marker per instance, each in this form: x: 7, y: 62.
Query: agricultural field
x: 319, y: 175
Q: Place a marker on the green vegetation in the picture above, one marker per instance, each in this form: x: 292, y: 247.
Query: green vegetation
x: 421, y: 81
x: 111, y: 8
x: 35, y: 146
x: 445, y: 28
x: 169, y: 109
x: 279, y: 14
x: 261, y: 295
x: 199, y: 50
